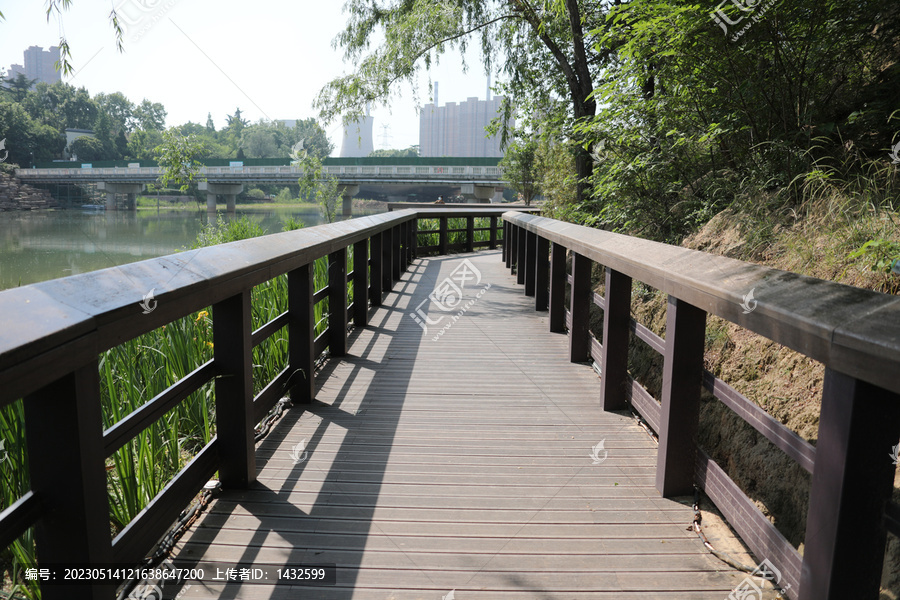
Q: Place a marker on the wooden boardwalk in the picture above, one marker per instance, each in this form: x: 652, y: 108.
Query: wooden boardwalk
x: 458, y: 464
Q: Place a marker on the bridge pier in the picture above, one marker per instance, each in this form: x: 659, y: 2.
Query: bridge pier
x: 476, y: 194
x: 347, y: 191
x: 130, y: 189
x: 213, y: 190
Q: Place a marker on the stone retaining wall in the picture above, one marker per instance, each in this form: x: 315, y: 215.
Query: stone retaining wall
x: 15, y: 195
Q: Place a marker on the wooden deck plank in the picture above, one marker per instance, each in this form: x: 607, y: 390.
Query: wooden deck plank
x: 457, y: 463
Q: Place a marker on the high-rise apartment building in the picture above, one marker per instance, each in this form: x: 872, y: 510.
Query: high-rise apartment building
x: 459, y: 129
x: 40, y: 65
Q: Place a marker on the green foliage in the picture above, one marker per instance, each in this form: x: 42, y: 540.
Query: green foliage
x: 540, y: 51
x: 88, y: 149
x: 284, y: 196
x: 177, y: 157
x: 291, y: 224
x: 317, y: 185
x: 520, y: 166
x: 222, y: 232
x: 882, y: 254
x: 411, y: 152
x: 558, y: 182
x: 256, y: 194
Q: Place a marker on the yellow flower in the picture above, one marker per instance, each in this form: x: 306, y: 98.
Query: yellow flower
x: 210, y: 344
x: 202, y: 314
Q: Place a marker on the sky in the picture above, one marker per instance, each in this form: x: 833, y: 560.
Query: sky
x: 268, y: 57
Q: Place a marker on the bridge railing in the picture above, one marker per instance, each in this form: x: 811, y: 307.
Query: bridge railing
x: 54, y: 334
x: 855, y: 333
x: 374, y: 171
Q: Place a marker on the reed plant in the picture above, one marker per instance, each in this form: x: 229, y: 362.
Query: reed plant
x: 428, y: 231
x: 133, y: 373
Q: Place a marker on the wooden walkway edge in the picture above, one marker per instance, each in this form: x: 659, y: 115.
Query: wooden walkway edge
x: 456, y: 465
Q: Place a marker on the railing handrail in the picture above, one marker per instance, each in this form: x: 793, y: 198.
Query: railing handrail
x: 854, y: 333
x: 835, y: 324
x: 53, y: 335
x: 40, y: 320
x: 459, y: 172
x: 105, y: 312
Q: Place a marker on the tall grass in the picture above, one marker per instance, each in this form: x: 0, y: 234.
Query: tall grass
x: 133, y: 373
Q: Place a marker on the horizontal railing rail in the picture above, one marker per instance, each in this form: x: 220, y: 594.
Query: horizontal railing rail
x: 52, y: 335
x: 855, y: 333
x: 389, y: 173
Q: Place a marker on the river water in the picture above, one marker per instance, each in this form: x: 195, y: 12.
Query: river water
x: 41, y: 245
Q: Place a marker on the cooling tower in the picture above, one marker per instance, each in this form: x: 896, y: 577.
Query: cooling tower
x: 358, y: 140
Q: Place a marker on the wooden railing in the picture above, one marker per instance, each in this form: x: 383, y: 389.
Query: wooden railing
x: 53, y: 333
x: 855, y: 333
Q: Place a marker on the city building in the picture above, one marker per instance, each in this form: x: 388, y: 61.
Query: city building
x: 459, y: 129
x: 40, y: 65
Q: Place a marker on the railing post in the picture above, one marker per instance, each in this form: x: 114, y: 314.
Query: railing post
x: 414, y: 239
x: 443, y: 240
x: 404, y: 250
x: 580, y: 302
x: 387, y: 247
x: 64, y: 424
x: 530, y: 259
x: 680, y: 412
x: 361, y: 283
x: 852, y: 482
x: 470, y: 233
x: 397, y: 237
x: 558, y: 279
x: 521, y: 264
x: 337, y: 302
x: 508, y: 244
x: 376, y: 278
x: 302, y: 333
x: 504, y: 243
x: 542, y: 274
x: 614, y: 361
x: 234, y: 390
x: 493, y: 226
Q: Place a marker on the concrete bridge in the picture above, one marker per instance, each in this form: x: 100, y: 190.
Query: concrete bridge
x: 478, y: 179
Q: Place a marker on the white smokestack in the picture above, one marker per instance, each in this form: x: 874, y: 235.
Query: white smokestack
x: 436, y: 94
x: 487, y: 95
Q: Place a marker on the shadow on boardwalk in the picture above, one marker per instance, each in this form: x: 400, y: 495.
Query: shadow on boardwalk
x: 458, y: 464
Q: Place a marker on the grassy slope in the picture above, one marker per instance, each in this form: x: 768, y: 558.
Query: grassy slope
x: 785, y: 383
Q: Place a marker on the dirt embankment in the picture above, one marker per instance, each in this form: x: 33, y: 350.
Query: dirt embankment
x: 785, y: 383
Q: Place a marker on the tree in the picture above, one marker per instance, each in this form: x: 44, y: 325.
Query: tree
x: 119, y: 109
x: 19, y: 86
x: 520, y: 168
x: 79, y: 110
x: 411, y: 152
x: 103, y: 133
x: 26, y: 137
x: 177, y: 157
x: 210, y: 126
x: 542, y: 51
x: 142, y: 145
x: 315, y: 140
x: 259, y: 142
x: 317, y: 185
x: 150, y: 116
x: 87, y: 148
